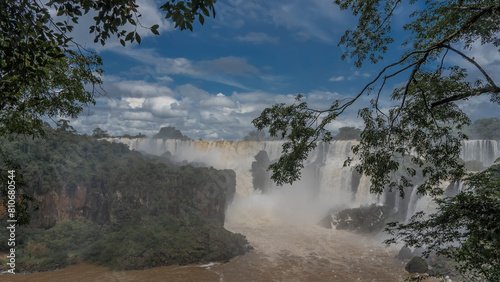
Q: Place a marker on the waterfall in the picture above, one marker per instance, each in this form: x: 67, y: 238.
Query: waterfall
x: 485, y: 151
x: 325, y: 182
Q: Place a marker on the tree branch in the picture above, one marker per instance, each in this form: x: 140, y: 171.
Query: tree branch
x: 488, y: 78
x: 479, y: 91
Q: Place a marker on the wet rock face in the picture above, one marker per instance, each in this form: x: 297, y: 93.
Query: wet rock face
x: 139, y: 210
x: 363, y: 220
x: 405, y: 253
x: 326, y: 222
x: 190, y: 191
x: 417, y: 265
x: 182, y: 210
x: 259, y: 171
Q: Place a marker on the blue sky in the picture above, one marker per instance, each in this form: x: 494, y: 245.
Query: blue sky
x: 212, y: 82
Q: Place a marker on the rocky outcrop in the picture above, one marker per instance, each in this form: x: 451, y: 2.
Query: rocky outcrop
x: 207, y: 195
x: 363, y: 219
x: 405, y: 253
x: 259, y: 171
x: 139, y: 211
x: 417, y: 265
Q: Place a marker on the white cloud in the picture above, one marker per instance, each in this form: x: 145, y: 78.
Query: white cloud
x: 134, y: 102
x: 192, y: 110
x: 487, y: 56
x: 138, y: 88
x: 337, y: 78
x: 316, y: 19
x: 357, y: 74
x: 257, y: 38
x: 218, y: 101
x: 224, y: 70
x: 139, y: 116
x: 164, y: 107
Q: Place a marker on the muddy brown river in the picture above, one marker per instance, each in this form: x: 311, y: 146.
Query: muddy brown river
x: 281, y: 253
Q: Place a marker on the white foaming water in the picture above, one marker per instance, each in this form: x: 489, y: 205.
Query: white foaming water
x: 486, y: 151
x: 325, y: 184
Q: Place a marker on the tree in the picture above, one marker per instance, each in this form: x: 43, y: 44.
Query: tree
x: 420, y: 137
x: 426, y: 120
x: 465, y: 228
x: 63, y: 125
x: 256, y: 135
x: 486, y: 128
x: 44, y: 72
x: 348, y: 133
x: 99, y: 133
x: 169, y: 132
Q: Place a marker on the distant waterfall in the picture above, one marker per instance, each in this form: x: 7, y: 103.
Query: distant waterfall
x: 485, y: 151
x: 324, y: 177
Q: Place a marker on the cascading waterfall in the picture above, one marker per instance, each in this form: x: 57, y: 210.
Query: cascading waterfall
x: 485, y: 151
x: 325, y: 182
x: 267, y: 216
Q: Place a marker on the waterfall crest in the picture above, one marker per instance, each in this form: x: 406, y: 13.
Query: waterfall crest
x: 325, y: 182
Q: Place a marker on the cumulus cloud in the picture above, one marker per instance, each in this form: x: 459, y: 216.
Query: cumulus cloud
x: 194, y: 111
x: 219, y: 101
x: 134, y: 102
x: 164, y: 107
x: 138, y: 116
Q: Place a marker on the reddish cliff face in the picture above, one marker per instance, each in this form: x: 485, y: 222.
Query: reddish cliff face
x: 206, y: 195
x: 120, y: 208
x: 55, y: 207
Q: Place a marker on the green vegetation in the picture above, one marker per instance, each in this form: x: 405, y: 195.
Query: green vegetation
x: 259, y: 135
x: 170, y: 132
x: 348, y: 133
x: 99, y: 133
x: 425, y: 119
x: 465, y: 228
x: 420, y: 137
x: 46, y: 73
x: 486, y: 128
x: 102, y: 203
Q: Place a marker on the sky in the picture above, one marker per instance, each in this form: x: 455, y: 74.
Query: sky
x: 212, y: 82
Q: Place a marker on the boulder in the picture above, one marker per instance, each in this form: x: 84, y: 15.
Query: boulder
x: 404, y: 254
x: 370, y: 219
x: 417, y: 265
x: 326, y: 222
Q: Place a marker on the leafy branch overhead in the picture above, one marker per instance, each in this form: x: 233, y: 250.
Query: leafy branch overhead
x: 34, y: 44
x: 46, y: 73
x: 424, y: 128
x: 465, y: 228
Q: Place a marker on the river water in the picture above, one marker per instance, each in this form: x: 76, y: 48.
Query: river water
x: 282, y: 252
x: 280, y: 225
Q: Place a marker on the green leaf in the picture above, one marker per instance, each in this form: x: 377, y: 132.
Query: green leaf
x: 129, y: 36
x: 122, y: 42
x: 138, y: 38
x: 154, y: 29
